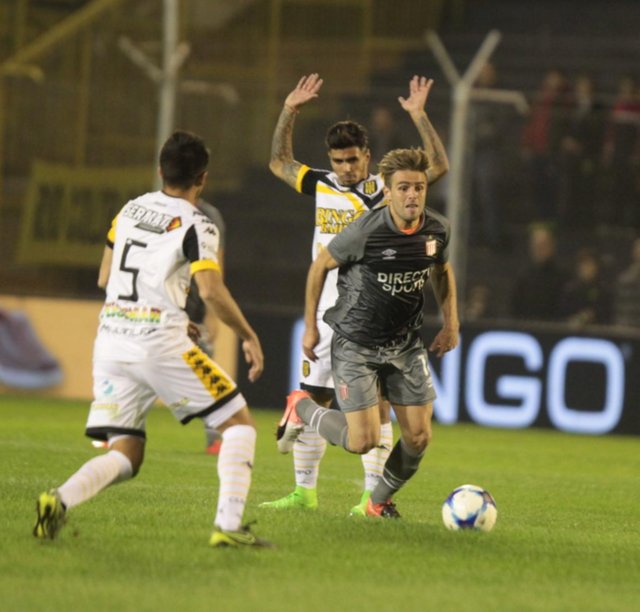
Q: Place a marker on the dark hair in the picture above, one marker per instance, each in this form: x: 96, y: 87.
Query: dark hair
x: 183, y: 159
x: 345, y: 134
x: 402, y: 159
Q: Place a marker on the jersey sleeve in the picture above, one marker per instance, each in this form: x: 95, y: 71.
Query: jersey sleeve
x: 348, y: 245
x: 111, y: 234
x: 443, y: 255
x: 200, y: 245
x: 216, y: 216
x: 307, y: 179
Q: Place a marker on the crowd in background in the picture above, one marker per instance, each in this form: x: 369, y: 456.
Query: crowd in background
x: 580, y: 160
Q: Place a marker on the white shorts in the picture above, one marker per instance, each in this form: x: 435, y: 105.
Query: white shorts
x: 317, y: 375
x: 191, y: 385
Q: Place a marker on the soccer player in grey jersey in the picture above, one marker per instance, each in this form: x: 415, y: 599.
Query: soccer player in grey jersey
x: 384, y: 259
x: 341, y: 195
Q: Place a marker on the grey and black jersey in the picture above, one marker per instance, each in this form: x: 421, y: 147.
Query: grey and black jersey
x: 382, y: 275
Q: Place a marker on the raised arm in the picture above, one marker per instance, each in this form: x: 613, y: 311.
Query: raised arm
x: 443, y: 282
x: 282, y: 163
x: 419, y: 88
x: 315, y: 283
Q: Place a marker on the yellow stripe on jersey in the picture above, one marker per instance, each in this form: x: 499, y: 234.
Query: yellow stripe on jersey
x: 111, y: 234
x: 216, y: 382
x: 204, y: 264
x: 301, y: 173
x: 357, y: 203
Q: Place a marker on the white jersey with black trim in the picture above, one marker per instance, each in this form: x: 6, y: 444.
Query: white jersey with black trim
x: 336, y: 207
x: 158, y: 241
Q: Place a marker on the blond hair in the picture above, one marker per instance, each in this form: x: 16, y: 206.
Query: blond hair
x: 402, y: 159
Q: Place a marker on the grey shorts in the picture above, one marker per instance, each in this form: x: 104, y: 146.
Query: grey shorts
x: 401, y: 370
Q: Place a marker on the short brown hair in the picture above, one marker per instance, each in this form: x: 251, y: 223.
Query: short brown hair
x: 347, y: 134
x: 402, y: 159
x: 183, y: 159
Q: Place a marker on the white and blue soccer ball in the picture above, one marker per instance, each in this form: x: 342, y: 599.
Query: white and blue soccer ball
x: 469, y: 507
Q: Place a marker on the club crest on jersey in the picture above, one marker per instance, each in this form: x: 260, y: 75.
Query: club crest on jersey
x: 431, y: 246
x: 306, y: 368
x: 369, y: 187
x: 175, y: 223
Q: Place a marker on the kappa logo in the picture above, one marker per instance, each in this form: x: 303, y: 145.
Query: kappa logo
x: 306, y: 368
x: 389, y: 254
x: 369, y: 187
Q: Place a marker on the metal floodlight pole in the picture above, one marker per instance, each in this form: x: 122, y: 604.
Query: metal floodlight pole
x: 173, y: 56
x: 168, y: 83
x: 462, y: 92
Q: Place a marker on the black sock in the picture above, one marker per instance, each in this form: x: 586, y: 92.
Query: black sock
x: 401, y: 465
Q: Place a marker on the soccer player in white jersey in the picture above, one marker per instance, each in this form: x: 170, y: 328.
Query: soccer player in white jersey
x: 142, y: 351
x: 341, y: 196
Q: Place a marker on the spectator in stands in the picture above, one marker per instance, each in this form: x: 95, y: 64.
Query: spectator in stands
x: 622, y: 157
x: 537, y: 291
x: 489, y: 121
x: 586, y: 299
x: 542, y: 136
x: 627, y: 296
x: 478, y: 303
x: 580, y: 155
x: 384, y: 135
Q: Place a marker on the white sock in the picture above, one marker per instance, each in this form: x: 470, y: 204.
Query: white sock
x: 95, y: 475
x: 308, y: 451
x: 373, y: 462
x: 235, y: 463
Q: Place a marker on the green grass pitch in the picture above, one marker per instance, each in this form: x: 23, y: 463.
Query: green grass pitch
x: 567, y: 536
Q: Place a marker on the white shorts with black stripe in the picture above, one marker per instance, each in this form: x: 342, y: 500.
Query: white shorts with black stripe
x: 191, y: 385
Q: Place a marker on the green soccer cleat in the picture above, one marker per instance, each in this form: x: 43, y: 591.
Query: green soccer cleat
x: 51, y: 515
x: 237, y: 539
x: 305, y: 499
x: 361, y: 508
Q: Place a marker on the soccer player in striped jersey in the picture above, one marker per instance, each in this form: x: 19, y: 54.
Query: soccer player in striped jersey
x: 341, y: 195
x: 157, y: 242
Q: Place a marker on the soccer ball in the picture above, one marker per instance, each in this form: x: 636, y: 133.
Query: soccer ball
x: 469, y: 507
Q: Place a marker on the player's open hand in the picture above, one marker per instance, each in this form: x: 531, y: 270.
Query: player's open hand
x: 310, y: 340
x: 307, y: 89
x: 419, y: 88
x: 446, y: 340
x: 254, y: 357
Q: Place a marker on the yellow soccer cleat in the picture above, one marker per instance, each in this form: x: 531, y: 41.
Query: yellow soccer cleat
x: 237, y: 539
x: 51, y: 515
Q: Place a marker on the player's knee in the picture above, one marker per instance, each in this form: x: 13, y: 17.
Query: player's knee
x: 419, y: 440
x: 362, y: 444
x: 361, y: 447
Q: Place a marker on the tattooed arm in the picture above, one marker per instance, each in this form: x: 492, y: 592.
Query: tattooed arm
x: 282, y: 163
x: 419, y: 88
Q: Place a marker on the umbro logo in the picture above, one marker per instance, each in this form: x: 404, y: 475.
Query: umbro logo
x: 389, y: 254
